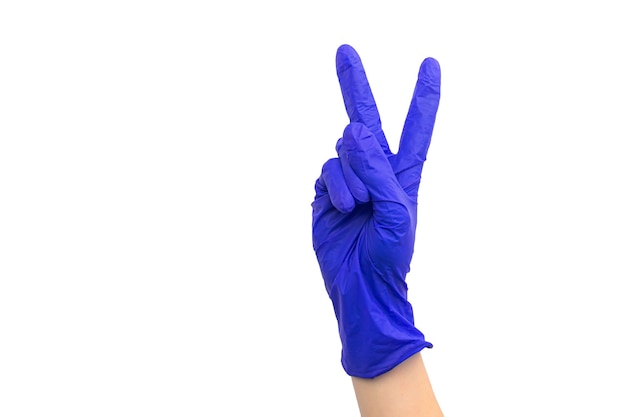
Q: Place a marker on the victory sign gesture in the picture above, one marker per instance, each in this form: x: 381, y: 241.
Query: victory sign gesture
x: 364, y: 220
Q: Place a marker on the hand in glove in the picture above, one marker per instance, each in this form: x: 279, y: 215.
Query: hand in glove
x: 364, y: 219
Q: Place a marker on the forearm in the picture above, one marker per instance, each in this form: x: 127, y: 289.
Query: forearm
x: 405, y: 391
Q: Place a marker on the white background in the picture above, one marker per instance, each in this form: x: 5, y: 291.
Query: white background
x: 157, y: 162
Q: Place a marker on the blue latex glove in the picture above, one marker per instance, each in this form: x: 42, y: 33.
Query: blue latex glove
x: 364, y: 219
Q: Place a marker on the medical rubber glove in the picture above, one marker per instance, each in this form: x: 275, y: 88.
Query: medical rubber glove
x: 364, y: 220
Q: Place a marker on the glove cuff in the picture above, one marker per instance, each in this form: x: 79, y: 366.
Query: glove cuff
x: 377, y: 330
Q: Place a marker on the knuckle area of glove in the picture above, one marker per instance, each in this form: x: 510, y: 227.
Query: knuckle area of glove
x: 320, y: 187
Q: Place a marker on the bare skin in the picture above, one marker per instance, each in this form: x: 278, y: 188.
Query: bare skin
x: 405, y: 391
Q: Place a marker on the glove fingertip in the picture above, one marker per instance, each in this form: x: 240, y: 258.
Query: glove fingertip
x: 429, y: 76
x: 344, y: 204
x: 346, y: 57
x: 355, y: 132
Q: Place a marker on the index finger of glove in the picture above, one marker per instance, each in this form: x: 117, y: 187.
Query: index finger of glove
x: 357, y: 94
x: 420, y: 120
